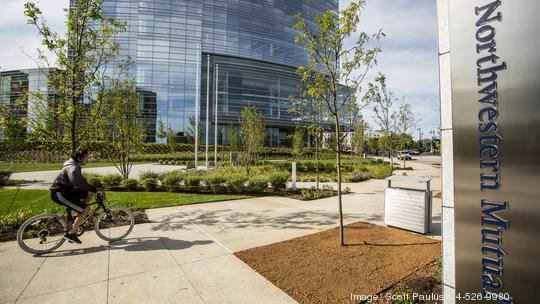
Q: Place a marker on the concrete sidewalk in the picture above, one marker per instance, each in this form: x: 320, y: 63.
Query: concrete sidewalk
x: 185, y: 254
x: 46, y: 178
x: 165, y: 265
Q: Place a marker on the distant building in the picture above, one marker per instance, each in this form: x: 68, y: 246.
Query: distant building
x: 14, y: 86
x: 172, y: 43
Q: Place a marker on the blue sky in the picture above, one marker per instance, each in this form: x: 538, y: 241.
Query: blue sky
x: 409, y: 58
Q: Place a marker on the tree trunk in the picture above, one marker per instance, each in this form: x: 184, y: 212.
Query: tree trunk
x: 338, y: 168
x: 317, y: 156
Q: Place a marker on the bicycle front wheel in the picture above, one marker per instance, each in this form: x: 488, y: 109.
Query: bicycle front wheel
x: 42, y: 233
x: 114, y: 224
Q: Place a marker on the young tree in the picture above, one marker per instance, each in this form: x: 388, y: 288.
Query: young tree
x: 405, y: 124
x: 252, y: 135
x: 232, y: 135
x: 190, y: 130
x: 171, y: 135
x: 358, y: 137
x: 81, y: 57
x: 234, y: 142
x: 335, y: 72
x: 125, y: 125
x: 161, y: 133
x: 405, y: 118
x: 298, y: 142
x: 13, y: 118
x: 385, y: 116
x: 313, y: 114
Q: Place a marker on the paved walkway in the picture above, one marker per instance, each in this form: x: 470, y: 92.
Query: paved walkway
x: 45, y: 178
x: 185, y: 254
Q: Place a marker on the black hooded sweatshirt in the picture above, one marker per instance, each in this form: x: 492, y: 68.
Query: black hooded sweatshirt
x: 71, y: 179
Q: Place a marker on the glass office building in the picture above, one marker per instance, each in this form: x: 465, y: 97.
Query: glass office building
x: 177, y: 44
x: 21, y: 86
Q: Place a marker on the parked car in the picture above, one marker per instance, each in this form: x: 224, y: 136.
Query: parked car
x: 414, y: 152
x: 404, y: 155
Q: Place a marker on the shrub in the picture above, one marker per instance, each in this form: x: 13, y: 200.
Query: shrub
x: 14, y: 219
x: 148, y: 174
x: 280, y: 165
x: 130, y: 183
x: 329, y: 167
x: 192, y: 180
x: 216, y: 182
x: 358, y: 177
x: 302, y: 167
x: 363, y: 169
x: 94, y: 179
x: 307, y: 194
x: 172, y: 180
x: 4, y: 176
x: 278, y: 180
x: 381, y: 171
x: 314, y: 193
x: 236, y: 182
x: 111, y: 180
x: 150, y: 184
x: 258, y: 184
x: 379, y: 161
x: 311, y: 166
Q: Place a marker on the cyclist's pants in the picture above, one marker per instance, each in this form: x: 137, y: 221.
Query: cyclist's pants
x: 73, y: 199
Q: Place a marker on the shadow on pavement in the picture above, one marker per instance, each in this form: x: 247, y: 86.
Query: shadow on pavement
x: 133, y: 244
x: 264, y: 219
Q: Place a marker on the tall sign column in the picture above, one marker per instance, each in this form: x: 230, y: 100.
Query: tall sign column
x: 495, y: 64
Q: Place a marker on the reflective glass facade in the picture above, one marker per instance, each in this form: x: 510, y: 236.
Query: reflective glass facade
x: 14, y: 85
x: 251, y: 40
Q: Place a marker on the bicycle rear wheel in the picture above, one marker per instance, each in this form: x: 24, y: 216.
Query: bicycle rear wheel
x: 114, y: 224
x: 42, y: 233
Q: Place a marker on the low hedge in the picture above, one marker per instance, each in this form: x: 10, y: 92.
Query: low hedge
x: 258, y: 184
x: 278, y: 180
x: 150, y: 184
x: 4, y: 176
x: 130, y: 184
x: 110, y: 181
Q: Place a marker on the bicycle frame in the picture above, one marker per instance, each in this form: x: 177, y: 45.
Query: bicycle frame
x: 99, y: 201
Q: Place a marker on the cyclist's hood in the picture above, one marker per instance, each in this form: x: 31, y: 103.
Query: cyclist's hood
x: 71, y: 162
x: 71, y: 178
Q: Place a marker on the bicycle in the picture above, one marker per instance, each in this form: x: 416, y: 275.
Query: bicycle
x: 38, y: 232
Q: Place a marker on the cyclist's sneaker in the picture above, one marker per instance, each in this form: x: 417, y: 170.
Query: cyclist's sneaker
x: 72, y: 238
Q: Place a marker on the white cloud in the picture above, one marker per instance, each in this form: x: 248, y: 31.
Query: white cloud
x: 20, y: 40
x: 409, y: 57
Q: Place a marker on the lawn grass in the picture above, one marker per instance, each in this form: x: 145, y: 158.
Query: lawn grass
x: 31, y: 167
x: 39, y: 200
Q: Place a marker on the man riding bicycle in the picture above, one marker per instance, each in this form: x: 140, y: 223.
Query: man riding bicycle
x: 71, y: 190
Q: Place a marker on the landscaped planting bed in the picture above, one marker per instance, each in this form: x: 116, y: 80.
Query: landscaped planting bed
x: 17, y: 205
x: 376, y: 260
